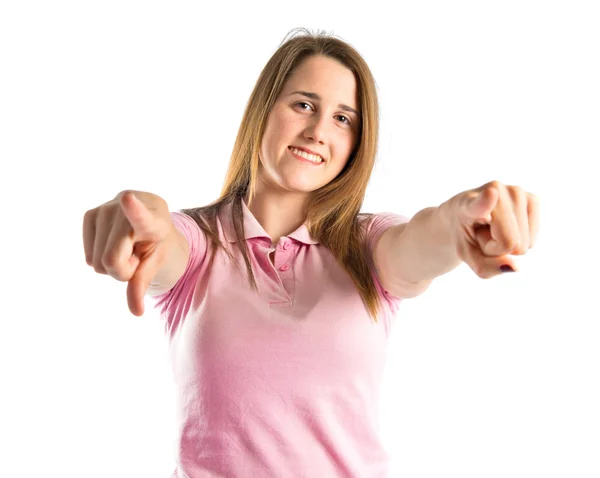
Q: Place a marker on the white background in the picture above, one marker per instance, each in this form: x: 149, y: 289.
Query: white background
x: 485, y: 378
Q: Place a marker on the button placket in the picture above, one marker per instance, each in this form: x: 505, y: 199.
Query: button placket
x: 285, y: 255
x: 273, y: 249
x: 283, y: 267
x: 278, y: 264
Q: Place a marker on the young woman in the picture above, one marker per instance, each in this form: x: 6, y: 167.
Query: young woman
x: 278, y: 297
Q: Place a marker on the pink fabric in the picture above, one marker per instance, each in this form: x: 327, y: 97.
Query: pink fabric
x: 283, y: 383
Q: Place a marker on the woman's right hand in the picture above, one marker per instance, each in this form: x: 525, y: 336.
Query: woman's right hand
x: 126, y: 238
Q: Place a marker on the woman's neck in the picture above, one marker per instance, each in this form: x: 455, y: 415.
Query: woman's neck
x: 279, y: 213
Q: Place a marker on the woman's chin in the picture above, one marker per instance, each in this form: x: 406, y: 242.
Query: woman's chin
x: 300, y: 186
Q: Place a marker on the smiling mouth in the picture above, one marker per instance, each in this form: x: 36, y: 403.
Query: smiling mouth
x: 312, y: 158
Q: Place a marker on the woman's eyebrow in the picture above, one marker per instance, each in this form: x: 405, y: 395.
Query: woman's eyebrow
x: 314, y: 96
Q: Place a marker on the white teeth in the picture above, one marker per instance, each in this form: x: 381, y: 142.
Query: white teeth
x: 315, y: 158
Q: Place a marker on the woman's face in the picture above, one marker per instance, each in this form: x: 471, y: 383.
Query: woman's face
x: 315, y: 114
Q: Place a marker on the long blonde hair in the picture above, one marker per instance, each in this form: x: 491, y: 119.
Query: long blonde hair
x: 333, y: 210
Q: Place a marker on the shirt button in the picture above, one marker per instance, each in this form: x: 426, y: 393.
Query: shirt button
x: 286, y: 246
x: 284, y: 268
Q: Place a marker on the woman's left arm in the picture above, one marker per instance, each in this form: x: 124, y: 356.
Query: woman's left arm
x: 481, y: 227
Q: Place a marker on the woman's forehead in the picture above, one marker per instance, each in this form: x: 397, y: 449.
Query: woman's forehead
x: 323, y: 79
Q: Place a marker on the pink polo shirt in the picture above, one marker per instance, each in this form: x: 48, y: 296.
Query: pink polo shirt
x: 283, y: 383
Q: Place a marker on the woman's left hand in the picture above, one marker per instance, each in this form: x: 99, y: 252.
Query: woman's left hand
x: 490, y: 223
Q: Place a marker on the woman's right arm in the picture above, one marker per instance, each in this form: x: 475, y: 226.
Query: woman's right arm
x: 133, y: 239
x: 178, y: 253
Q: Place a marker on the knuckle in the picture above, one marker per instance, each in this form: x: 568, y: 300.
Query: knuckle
x: 521, y: 246
x: 516, y: 193
x: 106, y: 212
x: 520, y: 250
x: 510, y: 243
x: 118, y: 273
x: 110, y: 260
x: 120, y: 194
x: 495, y: 184
x: 116, y: 267
x: 533, y: 198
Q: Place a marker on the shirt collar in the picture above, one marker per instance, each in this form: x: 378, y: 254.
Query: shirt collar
x: 252, y: 227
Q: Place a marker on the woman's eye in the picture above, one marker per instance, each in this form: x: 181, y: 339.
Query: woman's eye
x: 306, y: 106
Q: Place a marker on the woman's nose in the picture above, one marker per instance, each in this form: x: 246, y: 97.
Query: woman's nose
x: 316, y: 130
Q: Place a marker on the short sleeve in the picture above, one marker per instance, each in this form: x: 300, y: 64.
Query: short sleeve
x: 375, y: 226
x: 180, y: 294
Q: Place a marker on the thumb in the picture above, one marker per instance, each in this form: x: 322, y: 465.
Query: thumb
x: 139, y: 216
x: 480, y: 205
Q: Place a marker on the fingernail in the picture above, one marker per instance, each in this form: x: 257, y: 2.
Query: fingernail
x: 506, y: 268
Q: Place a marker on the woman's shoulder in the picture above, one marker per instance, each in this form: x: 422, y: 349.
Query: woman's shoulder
x: 203, y: 216
x: 369, y: 220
